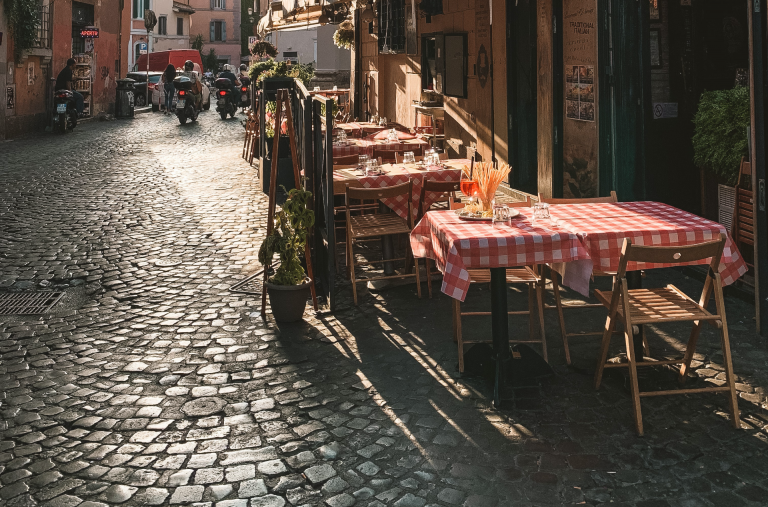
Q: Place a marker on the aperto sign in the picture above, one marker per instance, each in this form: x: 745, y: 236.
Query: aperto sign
x: 89, y: 32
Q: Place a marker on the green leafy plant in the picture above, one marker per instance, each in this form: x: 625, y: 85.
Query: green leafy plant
x: 289, y: 237
x: 258, y: 68
x: 260, y: 71
x: 334, y: 111
x: 720, y: 136
x: 211, y: 61
x: 23, y: 19
x: 263, y: 49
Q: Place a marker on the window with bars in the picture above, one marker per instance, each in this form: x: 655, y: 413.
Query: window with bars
x: 179, y: 26
x: 392, y: 26
x: 43, y: 39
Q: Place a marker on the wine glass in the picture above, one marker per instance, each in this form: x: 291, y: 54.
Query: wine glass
x: 361, y: 160
x: 468, y: 187
x: 409, y: 158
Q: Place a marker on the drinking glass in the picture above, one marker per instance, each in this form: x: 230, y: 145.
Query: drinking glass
x: 409, y: 158
x: 541, y: 212
x: 361, y: 160
x: 501, y: 213
x: 468, y: 187
x: 392, y: 135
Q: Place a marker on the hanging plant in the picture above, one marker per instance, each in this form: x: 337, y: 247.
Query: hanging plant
x: 23, y: 20
x: 344, y: 37
x: 263, y: 49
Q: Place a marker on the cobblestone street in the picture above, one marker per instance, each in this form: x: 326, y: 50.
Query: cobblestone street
x: 157, y: 385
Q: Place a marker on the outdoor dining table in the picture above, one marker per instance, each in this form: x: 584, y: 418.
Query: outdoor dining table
x: 356, y: 128
x: 366, y: 146
x: 580, y: 237
x: 395, y: 174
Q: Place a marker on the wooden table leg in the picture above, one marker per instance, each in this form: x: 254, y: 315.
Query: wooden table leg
x: 499, y: 330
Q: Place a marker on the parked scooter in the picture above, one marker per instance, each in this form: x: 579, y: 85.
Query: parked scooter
x: 65, y: 112
x: 226, y: 104
x: 185, y: 101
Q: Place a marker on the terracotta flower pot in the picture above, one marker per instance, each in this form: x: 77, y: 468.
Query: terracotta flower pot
x: 288, y: 301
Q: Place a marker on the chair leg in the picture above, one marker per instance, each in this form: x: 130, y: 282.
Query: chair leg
x: 733, y: 403
x: 531, y: 321
x: 610, y: 324
x: 418, y: 276
x: 457, y: 332
x: 559, y: 305
x: 634, y: 388
x: 351, y: 261
x: 540, y: 301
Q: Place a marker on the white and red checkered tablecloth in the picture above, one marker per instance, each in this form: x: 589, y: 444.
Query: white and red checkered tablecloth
x: 398, y: 174
x: 366, y: 146
x: 591, y: 235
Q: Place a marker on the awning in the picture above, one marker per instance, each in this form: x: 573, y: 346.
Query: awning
x: 180, y: 7
x: 265, y: 24
x: 302, y: 14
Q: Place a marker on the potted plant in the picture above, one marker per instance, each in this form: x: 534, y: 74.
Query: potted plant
x: 720, y: 140
x: 344, y: 37
x: 263, y: 49
x: 289, y: 288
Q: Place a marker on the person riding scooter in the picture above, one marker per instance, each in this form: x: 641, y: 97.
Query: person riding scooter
x: 228, y: 74
x: 64, y: 81
x: 197, y: 86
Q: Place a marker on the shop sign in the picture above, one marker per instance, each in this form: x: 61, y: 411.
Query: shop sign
x: 89, y: 32
x: 663, y: 110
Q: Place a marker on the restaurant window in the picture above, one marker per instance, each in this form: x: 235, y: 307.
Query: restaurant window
x: 444, y: 64
x: 392, y: 26
x: 162, y: 25
x: 179, y: 26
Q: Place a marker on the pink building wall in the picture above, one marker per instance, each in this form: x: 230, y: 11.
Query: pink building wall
x: 208, y: 11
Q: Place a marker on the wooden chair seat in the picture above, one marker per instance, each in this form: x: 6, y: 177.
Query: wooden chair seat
x: 366, y: 226
x: 652, y: 306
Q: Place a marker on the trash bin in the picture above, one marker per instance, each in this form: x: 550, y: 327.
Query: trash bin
x: 124, y: 100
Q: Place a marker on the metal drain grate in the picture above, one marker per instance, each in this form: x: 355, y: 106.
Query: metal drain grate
x: 28, y: 303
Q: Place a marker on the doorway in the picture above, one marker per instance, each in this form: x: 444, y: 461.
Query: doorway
x: 522, y: 94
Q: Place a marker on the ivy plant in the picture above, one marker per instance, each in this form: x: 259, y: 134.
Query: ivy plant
x: 23, y: 21
x: 720, y: 135
x: 289, y: 237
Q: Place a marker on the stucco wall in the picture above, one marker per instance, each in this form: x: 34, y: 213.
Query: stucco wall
x: 200, y: 24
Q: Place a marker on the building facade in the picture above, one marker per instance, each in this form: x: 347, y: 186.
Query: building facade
x: 27, y: 94
x: 171, y: 32
x: 218, y: 21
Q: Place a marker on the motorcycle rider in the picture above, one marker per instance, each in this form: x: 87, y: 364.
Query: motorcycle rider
x: 245, y: 79
x: 64, y: 82
x: 235, y: 83
x: 197, y: 87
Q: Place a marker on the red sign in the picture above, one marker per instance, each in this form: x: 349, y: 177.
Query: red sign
x: 89, y: 33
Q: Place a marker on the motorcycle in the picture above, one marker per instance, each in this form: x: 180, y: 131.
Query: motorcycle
x: 225, y: 103
x: 245, y: 98
x: 185, y: 101
x: 65, y: 112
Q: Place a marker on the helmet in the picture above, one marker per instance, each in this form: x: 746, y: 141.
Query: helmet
x: 188, y: 65
x: 243, y: 67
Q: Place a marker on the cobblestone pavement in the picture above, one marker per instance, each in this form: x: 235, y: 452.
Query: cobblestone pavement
x: 154, y: 385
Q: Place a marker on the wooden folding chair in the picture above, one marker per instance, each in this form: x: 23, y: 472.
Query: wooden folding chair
x: 655, y: 306
x: 554, y: 275
x: 362, y: 227
x: 391, y: 155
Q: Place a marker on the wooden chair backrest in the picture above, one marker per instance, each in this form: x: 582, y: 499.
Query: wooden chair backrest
x: 743, y: 228
x: 672, y: 254
x: 380, y: 193
x: 446, y: 189
x: 345, y: 160
x: 392, y: 154
x: 583, y: 200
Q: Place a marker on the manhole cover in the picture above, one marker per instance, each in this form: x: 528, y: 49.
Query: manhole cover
x: 203, y: 406
x: 28, y: 303
x: 167, y: 261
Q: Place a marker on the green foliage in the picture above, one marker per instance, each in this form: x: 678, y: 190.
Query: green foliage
x: 270, y: 68
x: 720, y: 136
x: 198, y: 44
x: 211, y: 61
x: 23, y: 19
x: 334, y: 112
x: 289, y: 237
x: 263, y: 49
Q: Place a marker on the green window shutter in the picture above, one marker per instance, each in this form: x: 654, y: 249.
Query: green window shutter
x: 224, y: 4
x: 136, y: 8
x: 213, y: 31
x: 223, y: 31
x: 212, y: 4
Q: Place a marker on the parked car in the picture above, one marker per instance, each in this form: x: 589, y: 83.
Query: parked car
x: 158, y: 95
x: 140, y: 86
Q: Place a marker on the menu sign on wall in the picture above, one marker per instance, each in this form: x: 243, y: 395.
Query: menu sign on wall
x: 580, y: 96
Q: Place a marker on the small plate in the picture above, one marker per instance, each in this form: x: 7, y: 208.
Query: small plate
x: 473, y: 217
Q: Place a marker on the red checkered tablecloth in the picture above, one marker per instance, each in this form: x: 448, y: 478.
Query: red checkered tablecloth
x: 366, y: 146
x: 457, y: 245
x: 598, y: 229
x: 397, y: 174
